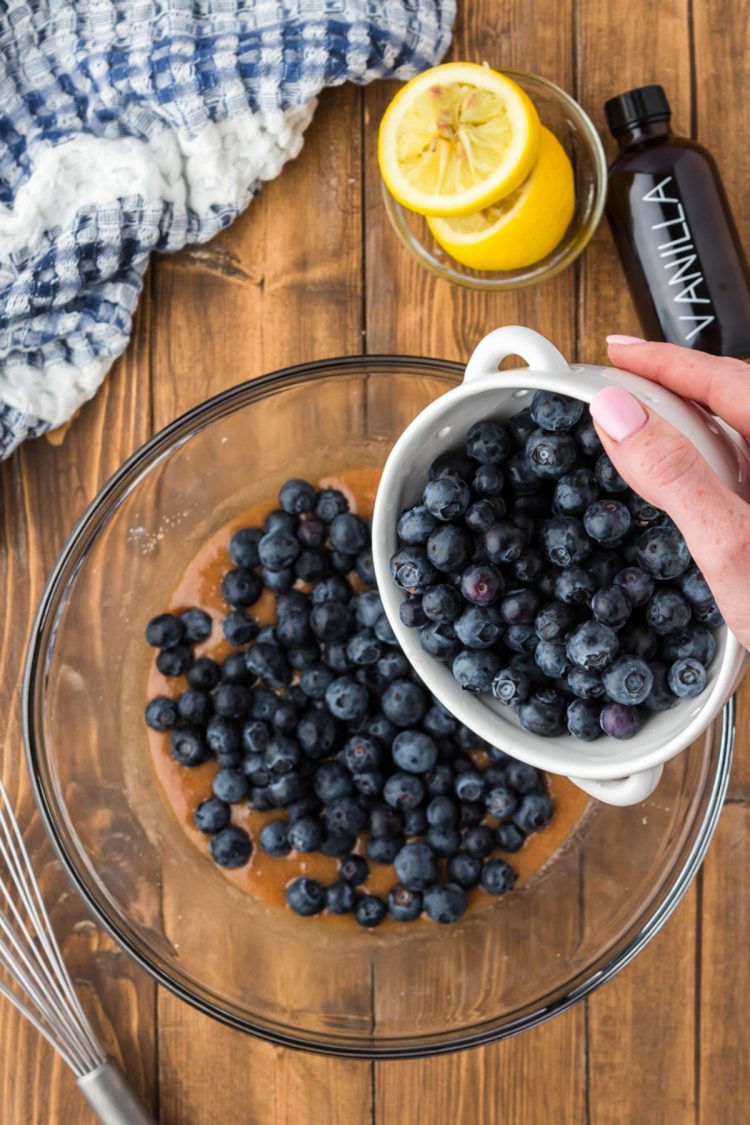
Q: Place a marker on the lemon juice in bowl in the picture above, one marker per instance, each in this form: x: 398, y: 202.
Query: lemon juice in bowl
x: 463, y: 146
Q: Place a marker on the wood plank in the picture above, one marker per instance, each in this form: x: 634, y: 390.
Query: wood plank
x: 722, y: 116
x: 724, y: 1080
x: 45, y: 488
x: 282, y: 286
x: 409, y: 310
x: 641, y: 1026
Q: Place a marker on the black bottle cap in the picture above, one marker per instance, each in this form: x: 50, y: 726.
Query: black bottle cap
x: 636, y: 107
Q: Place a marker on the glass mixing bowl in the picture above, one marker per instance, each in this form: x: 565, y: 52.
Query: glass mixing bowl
x: 296, y: 981
x: 576, y: 132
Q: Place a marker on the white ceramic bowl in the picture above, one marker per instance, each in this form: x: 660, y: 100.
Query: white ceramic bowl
x: 617, y: 772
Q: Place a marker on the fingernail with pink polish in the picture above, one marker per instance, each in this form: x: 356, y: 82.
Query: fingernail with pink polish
x: 618, y: 413
x: 625, y: 340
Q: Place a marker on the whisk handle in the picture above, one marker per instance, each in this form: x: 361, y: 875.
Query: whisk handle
x: 111, y: 1098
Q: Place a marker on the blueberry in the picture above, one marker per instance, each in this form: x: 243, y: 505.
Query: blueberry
x: 439, y: 780
x: 231, y: 847
x: 504, y: 542
x: 519, y: 607
x: 592, y: 645
x: 211, y: 815
x: 472, y: 813
x: 574, y: 586
x: 628, y: 680
x: 403, y: 791
x: 384, y: 631
x: 306, y: 896
x: 279, y: 581
x: 509, y: 837
x: 447, y: 497
x: 239, y: 629
x: 488, y: 480
x: 469, y: 785
x: 619, y: 720
x: 279, y: 521
x: 161, y: 713
x: 694, y: 586
x: 260, y: 799
x: 363, y: 648
x: 369, y: 783
x: 165, y: 631
x: 241, y: 587
x: 353, y: 870
x: 528, y: 567
x: 637, y: 639
x: 194, y: 707
x: 345, y: 816
x: 197, y: 625
x: 297, y: 496
x: 342, y: 563
x: 255, y: 736
x: 574, y: 492
x: 385, y: 821
x: 229, y: 785
x: 348, y: 534
x: 543, y: 713
x: 511, y: 687
x: 412, y: 570
x: 174, y: 661
x: 585, y: 684
x: 687, y: 678
x: 263, y: 704
x: 317, y: 733
x: 454, y: 463
x: 332, y: 780
x: 582, y: 719
x: 302, y: 656
x: 188, y: 746
x: 449, y: 548
x: 612, y: 606
x: 415, y: 526
x: 268, y: 662
x: 607, y: 476
x: 554, y: 411
x: 521, y: 639
x: 364, y: 566
x: 346, y: 699
x: 404, y: 703
x: 695, y: 641
x: 439, y: 640
x: 481, y: 584
x: 329, y: 504
x: 442, y: 603
x: 414, y: 751
x: 662, y: 552
x: 370, y: 911
x: 393, y: 665
x: 660, y: 698
x: 243, y: 547
x: 667, y: 612
x: 278, y: 550
x: 337, y: 844
x: 519, y: 427
x: 552, y: 658
x: 445, y: 902
x: 607, y: 521
x: 520, y: 475
x: 204, y: 674
x: 415, y: 822
x: 707, y: 613
x: 340, y: 898
x: 587, y: 437
x: 479, y: 627
x: 404, y: 905
x: 306, y: 834
x: 442, y: 812
x: 384, y: 849
x: 554, y: 621
x: 550, y: 455
x: 274, y: 838
x: 534, y: 812
x: 312, y: 564
x: 564, y: 541
x: 497, y: 876
x: 603, y: 565
x: 479, y: 840
x: 282, y: 755
x: 285, y: 788
x: 488, y: 443
x: 443, y: 841
x: 637, y: 584
x: 475, y: 670
x: 464, y: 869
x: 411, y: 613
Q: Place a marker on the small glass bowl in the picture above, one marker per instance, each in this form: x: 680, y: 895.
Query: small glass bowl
x: 578, y: 136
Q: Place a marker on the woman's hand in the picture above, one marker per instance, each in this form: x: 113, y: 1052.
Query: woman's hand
x: 669, y: 472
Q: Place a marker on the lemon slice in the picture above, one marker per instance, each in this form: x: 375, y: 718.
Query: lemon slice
x: 456, y: 139
x: 523, y: 227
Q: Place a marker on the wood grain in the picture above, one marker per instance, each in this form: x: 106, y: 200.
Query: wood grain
x: 45, y: 488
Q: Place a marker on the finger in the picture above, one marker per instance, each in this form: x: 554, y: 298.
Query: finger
x: 719, y: 383
x: 667, y: 470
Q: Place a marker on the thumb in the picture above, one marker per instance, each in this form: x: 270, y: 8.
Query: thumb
x: 664, y: 467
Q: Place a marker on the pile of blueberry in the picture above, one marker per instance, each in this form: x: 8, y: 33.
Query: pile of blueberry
x: 321, y: 717
x: 537, y: 574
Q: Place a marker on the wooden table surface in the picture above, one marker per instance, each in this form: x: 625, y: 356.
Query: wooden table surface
x: 312, y: 270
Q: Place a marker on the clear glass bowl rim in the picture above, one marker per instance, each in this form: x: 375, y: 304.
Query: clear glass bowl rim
x: 95, y: 516
x: 531, y: 275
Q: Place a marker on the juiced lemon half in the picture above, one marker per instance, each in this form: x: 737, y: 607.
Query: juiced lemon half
x: 456, y: 139
x: 523, y: 227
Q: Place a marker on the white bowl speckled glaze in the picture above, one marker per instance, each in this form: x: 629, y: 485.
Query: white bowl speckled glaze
x: 616, y: 772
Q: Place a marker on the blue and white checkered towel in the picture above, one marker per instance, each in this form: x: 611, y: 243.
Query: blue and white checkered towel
x: 128, y: 126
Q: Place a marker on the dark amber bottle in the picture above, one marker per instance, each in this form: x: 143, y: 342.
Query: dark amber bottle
x: 674, y: 231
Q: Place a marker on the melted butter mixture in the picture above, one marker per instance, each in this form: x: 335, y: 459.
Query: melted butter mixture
x: 265, y: 877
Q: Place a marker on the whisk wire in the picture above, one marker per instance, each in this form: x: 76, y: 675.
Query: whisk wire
x: 35, y: 961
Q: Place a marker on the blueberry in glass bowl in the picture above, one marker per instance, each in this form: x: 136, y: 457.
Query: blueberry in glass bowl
x: 166, y: 901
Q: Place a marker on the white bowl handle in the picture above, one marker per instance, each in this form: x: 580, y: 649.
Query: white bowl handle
x: 513, y: 340
x: 622, y: 790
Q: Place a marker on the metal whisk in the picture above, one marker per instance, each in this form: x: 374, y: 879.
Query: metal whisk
x: 40, y: 987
